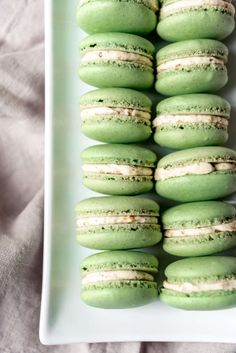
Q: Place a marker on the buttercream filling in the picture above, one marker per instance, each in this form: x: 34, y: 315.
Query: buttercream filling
x: 179, y: 6
x: 88, y: 113
x: 127, y: 219
x: 152, y: 4
x: 194, y: 169
x: 189, y: 61
x: 117, y: 169
x: 191, y: 232
x: 175, y: 119
x: 104, y: 276
x: 187, y: 287
x: 114, y: 55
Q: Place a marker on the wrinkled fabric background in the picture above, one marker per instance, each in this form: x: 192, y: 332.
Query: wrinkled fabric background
x: 21, y: 191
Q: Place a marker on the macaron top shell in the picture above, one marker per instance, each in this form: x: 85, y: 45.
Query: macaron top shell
x: 195, y: 47
x: 208, y: 104
x: 199, y: 154
x: 119, y: 260
x: 118, y: 205
x: 201, y: 269
x: 116, y: 97
x: 198, y: 214
x: 118, y: 41
x: 119, y: 154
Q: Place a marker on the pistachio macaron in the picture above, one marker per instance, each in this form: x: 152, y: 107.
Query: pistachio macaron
x: 191, y: 66
x: 197, y: 174
x: 201, y: 283
x: 117, y: 169
x: 199, y: 228
x: 184, y: 19
x: 117, y: 60
x: 119, y: 279
x: 116, y: 115
x: 192, y: 120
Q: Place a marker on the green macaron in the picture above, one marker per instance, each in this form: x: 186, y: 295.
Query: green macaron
x: 199, y: 228
x: 117, y: 222
x: 192, y: 120
x: 116, y: 115
x: 118, y: 169
x: 184, y: 19
x: 131, y: 16
x: 201, y: 283
x: 119, y: 279
x: 191, y: 66
x: 117, y: 60
x: 197, y: 174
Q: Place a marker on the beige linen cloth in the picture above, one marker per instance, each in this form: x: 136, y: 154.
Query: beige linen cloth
x: 21, y: 191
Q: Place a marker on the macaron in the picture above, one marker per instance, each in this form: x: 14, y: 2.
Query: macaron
x: 201, y: 283
x: 116, y: 115
x: 118, y: 169
x: 199, y: 228
x: 184, y: 19
x: 192, y: 120
x: 117, y: 222
x: 117, y: 60
x: 119, y: 279
x: 191, y: 66
x: 197, y: 174
x: 100, y: 16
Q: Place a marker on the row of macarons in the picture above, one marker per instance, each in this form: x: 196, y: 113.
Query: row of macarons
x: 178, y: 19
x: 127, y: 60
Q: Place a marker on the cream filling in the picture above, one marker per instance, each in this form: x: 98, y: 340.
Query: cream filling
x: 173, y: 119
x: 127, y: 219
x: 104, y: 276
x: 181, y: 5
x: 191, y: 232
x: 189, y: 61
x: 87, y: 113
x: 186, y: 287
x: 152, y: 4
x: 196, y: 169
x: 114, y: 55
x: 117, y: 169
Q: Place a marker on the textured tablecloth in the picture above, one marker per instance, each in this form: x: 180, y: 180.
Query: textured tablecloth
x: 21, y: 191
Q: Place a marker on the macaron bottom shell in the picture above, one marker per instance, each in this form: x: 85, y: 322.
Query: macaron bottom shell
x: 196, y: 24
x: 130, y: 17
x: 214, y: 300
x: 115, y: 74
x: 120, y: 294
x: 181, y: 137
x: 197, y: 187
x: 194, y: 79
x: 118, y: 185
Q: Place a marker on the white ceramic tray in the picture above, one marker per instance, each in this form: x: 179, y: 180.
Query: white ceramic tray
x: 64, y: 318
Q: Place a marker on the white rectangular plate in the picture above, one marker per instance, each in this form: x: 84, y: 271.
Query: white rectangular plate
x: 64, y: 318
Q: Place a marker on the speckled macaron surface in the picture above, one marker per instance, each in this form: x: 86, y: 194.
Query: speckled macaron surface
x: 201, y: 283
x: 184, y: 19
x: 191, y: 66
x: 117, y: 60
x: 199, y: 228
x: 117, y: 222
x: 192, y: 120
x: 130, y: 16
x: 197, y: 174
x: 116, y: 115
x: 117, y: 169
x: 119, y: 279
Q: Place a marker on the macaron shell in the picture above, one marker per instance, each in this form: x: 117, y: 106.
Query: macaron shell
x: 130, y: 17
x: 120, y: 295
x: 196, y: 24
x: 197, y: 187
